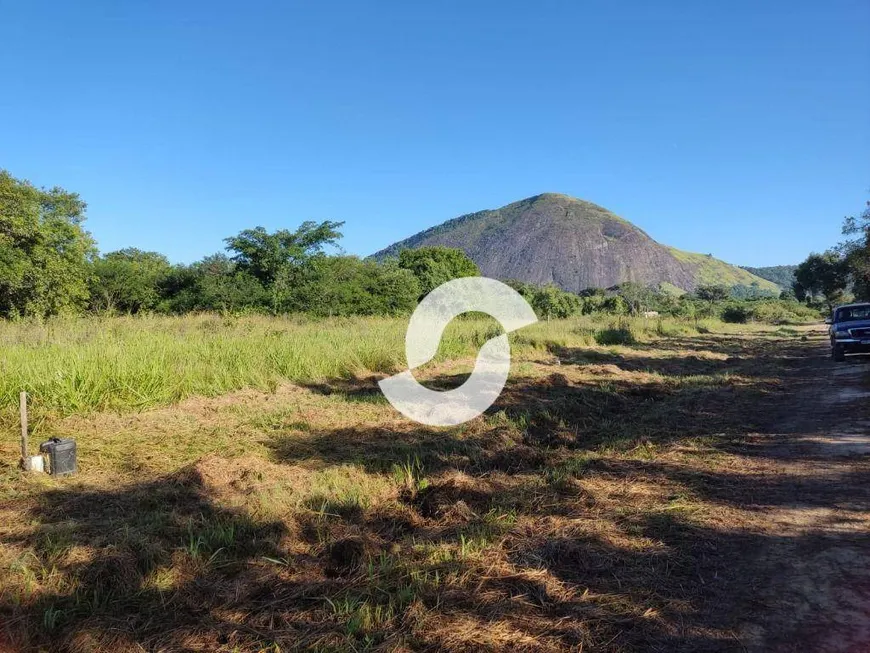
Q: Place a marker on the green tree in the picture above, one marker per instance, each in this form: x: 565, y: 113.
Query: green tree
x: 637, y: 297
x: 526, y: 290
x: 435, y: 265
x: 128, y: 280
x: 552, y: 302
x: 822, y: 276
x: 686, y: 308
x: 282, y: 260
x: 346, y: 285
x: 856, y: 250
x: 615, y: 305
x: 45, y: 252
x: 212, y: 284
x: 712, y: 294
x: 222, y: 287
x: 593, y: 300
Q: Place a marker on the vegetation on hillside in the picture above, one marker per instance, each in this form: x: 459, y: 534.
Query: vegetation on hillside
x: 781, y: 275
x: 712, y: 271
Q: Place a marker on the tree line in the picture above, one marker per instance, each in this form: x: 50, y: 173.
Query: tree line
x: 49, y: 265
x: 842, y: 273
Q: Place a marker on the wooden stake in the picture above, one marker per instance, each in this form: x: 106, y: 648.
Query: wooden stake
x: 23, y: 407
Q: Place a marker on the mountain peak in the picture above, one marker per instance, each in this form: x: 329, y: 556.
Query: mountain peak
x: 553, y: 196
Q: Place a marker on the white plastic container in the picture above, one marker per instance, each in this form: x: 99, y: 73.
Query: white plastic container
x: 34, y: 464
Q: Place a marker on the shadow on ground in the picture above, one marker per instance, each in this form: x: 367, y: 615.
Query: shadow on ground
x: 504, y: 546
x: 162, y: 566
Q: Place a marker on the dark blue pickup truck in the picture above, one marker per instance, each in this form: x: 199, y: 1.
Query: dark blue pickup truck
x: 850, y: 330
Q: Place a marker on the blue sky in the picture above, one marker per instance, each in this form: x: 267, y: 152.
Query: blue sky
x: 735, y: 128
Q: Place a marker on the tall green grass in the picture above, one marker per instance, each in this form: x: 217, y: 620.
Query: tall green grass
x: 75, y: 365
x: 79, y: 365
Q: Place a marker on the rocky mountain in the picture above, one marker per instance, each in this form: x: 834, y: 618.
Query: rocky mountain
x: 552, y: 238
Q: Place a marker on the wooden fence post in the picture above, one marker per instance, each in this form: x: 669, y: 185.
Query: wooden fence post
x: 23, y: 409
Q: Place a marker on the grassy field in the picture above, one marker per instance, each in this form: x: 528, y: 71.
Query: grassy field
x: 74, y: 366
x: 244, y: 486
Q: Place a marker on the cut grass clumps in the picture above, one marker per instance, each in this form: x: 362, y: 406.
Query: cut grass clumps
x: 561, y: 475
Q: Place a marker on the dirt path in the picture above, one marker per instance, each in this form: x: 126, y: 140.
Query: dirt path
x: 819, y: 517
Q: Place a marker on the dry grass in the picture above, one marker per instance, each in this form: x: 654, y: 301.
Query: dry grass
x: 605, y: 503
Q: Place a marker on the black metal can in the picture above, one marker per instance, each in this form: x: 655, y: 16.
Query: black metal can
x: 61, y: 454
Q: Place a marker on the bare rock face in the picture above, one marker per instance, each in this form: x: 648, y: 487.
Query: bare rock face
x: 574, y: 244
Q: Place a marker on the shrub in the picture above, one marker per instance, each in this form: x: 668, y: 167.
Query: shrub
x: 621, y: 335
x: 768, y: 311
x: 783, y: 312
x: 615, y: 305
x: 552, y: 302
x: 736, y: 314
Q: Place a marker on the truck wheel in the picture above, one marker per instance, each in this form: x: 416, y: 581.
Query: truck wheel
x: 838, y: 354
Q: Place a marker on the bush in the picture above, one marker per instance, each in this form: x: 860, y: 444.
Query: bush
x: 551, y: 302
x: 615, y: 305
x: 621, y: 335
x: 436, y: 265
x: 736, y: 314
x: 769, y: 311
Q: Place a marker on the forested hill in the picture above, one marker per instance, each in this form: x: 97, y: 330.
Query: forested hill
x: 781, y: 275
